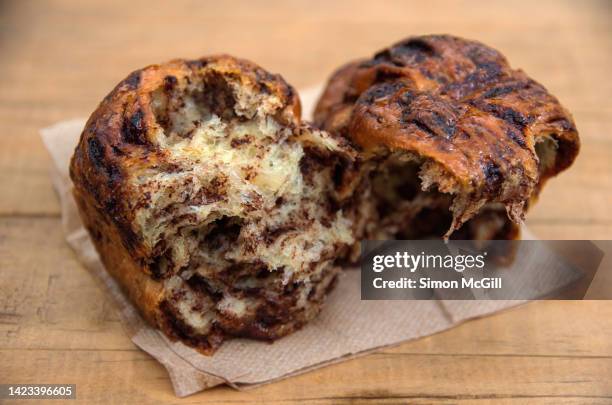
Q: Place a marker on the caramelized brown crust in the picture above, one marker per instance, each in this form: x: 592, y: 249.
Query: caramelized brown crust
x: 457, y: 106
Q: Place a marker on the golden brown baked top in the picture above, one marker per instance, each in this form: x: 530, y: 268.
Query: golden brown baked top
x: 481, y: 130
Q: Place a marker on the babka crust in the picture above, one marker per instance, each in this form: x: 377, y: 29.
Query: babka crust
x: 480, y: 130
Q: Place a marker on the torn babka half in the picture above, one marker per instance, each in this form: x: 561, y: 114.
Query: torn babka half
x: 215, y: 207
x: 455, y: 142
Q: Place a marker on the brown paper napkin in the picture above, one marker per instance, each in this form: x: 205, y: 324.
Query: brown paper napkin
x: 347, y: 326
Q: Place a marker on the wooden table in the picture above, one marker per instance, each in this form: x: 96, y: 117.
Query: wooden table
x: 59, y: 58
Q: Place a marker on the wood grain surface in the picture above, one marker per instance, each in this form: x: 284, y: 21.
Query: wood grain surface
x: 59, y: 58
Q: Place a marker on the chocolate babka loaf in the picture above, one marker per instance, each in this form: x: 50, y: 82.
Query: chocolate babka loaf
x: 221, y: 213
x: 213, y: 205
x: 453, y: 137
